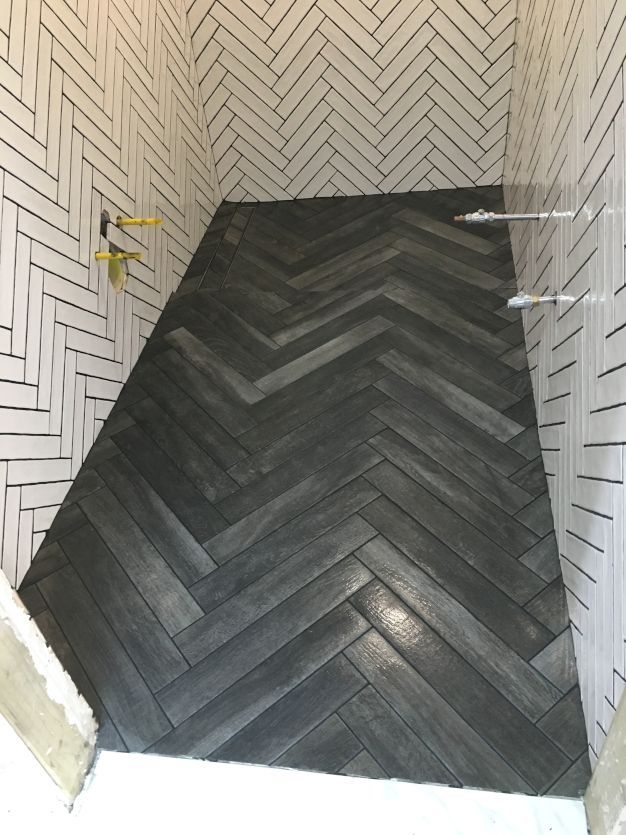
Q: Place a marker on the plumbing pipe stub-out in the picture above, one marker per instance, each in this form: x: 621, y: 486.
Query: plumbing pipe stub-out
x: 524, y: 301
x: 481, y: 216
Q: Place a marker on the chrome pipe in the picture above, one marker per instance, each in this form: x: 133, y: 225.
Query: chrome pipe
x: 523, y: 301
x: 481, y: 216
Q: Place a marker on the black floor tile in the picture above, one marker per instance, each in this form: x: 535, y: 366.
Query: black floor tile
x: 315, y: 532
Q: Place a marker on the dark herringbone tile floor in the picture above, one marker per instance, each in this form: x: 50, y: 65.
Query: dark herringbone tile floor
x: 314, y: 531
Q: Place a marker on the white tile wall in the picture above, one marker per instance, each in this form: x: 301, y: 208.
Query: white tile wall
x: 309, y: 98
x: 566, y: 156
x: 99, y: 108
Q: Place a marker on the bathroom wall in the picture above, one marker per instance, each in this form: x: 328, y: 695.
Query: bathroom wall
x: 99, y: 108
x: 566, y: 157
x: 309, y: 98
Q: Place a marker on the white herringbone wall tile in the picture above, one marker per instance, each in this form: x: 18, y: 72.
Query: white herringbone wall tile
x: 308, y: 98
x: 99, y: 108
x: 566, y: 157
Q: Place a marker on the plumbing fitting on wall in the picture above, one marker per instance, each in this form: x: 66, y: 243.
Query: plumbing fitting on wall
x: 117, y: 258
x: 138, y: 221
x: 481, y: 216
x: 105, y: 220
x: 523, y: 301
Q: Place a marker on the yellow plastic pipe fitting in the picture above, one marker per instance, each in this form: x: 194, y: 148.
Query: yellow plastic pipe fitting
x: 138, y: 221
x: 118, y: 256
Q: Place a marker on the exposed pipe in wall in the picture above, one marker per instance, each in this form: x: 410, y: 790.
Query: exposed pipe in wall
x: 481, y: 216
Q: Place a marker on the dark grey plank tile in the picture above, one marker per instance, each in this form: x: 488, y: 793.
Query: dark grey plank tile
x: 492, y: 607
x: 343, y: 305
x: 329, y: 332
x: 194, y: 511
x: 125, y: 695
x: 319, y: 380
x: 162, y: 527
x: 466, y: 405
x: 538, y: 515
x: 437, y: 311
x: 462, y: 751
x: 274, y: 233
x: 557, y: 661
x: 240, y: 303
x: 67, y: 520
x: 221, y: 342
x: 210, y: 727
x: 452, y: 368
x: 447, y: 264
x: 238, y: 612
x: 231, y: 415
x: 482, y: 706
x: 213, y: 674
x: 143, y: 637
x: 101, y: 451
x: 519, y: 383
x: 565, y: 724
x: 330, y: 274
x: 219, y: 372
x: 326, y: 748
x: 550, y: 606
x: 205, y: 431
x: 115, y: 422
x: 503, y: 570
x: 523, y: 411
x: 303, y: 411
x: 312, y: 432
x: 391, y: 742
x: 318, y: 357
x: 527, y: 689
x: 575, y: 780
x: 488, y: 517
x: 131, y: 393
x: 447, y: 342
x: 532, y: 477
x: 87, y: 481
x: 49, y: 558
x: 364, y: 765
x: 108, y: 735
x: 453, y: 457
x: 250, y: 279
x: 198, y: 466
x: 299, y: 466
x: 479, y: 308
x: 272, y: 515
x: 213, y: 306
x: 357, y: 222
x: 446, y: 233
x: 292, y: 717
x: 515, y: 357
x: 254, y: 562
x: 491, y: 453
x: 32, y: 600
x: 527, y: 443
x: 315, y: 302
x: 543, y: 558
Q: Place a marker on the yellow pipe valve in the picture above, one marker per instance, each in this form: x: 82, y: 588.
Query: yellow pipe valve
x: 118, y: 256
x: 138, y: 221
x: 117, y: 268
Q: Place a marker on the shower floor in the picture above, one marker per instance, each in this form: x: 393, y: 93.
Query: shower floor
x: 315, y: 530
